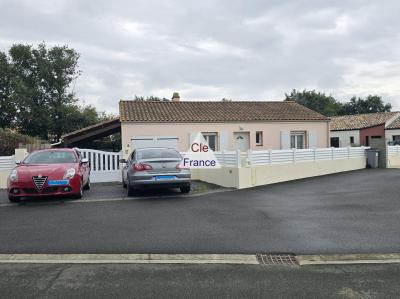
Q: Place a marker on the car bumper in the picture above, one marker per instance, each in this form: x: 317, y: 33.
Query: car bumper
x: 27, y: 189
x: 151, y: 181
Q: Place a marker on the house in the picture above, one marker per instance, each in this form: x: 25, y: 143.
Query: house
x: 356, y: 130
x: 224, y: 125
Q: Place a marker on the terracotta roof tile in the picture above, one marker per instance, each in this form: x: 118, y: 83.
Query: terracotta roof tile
x: 360, y: 121
x: 144, y: 111
x: 395, y: 124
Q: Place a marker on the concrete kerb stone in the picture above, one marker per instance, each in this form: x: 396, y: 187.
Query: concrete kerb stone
x: 340, y: 259
x: 129, y: 258
x: 244, y: 259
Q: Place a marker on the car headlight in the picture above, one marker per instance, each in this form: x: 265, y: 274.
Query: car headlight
x: 14, y: 175
x: 69, y: 174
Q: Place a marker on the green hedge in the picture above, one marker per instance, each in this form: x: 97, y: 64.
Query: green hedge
x: 10, y: 140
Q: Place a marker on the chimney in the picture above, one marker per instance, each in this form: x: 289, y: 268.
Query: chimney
x: 175, y: 97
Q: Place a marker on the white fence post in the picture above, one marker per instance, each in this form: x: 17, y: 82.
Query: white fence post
x: 348, y: 152
x: 398, y: 150
x: 333, y: 153
x: 294, y: 155
x: 238, y: 158
x: 222, y: 158
x: 270, y: 156
x: 315, y: 154
x: 249, y: 157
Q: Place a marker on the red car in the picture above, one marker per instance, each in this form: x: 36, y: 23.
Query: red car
x: 49, y: 172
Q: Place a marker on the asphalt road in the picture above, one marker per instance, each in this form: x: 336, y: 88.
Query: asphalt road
x: 355, y: 212
x: 198, y: 281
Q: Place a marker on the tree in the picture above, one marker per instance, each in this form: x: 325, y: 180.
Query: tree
x: 371, y: 104
x: 40, y: 87
x: 8, y: 110
x: 319, y: 102
x: 78, y: 117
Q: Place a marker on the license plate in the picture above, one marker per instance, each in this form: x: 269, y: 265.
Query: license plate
x: 164, y: 177
x: 58, y: 183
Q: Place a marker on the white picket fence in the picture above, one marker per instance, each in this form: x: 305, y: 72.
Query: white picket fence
x: 394, y: 150
x: 105, y: 166
x: 7, y: 162
x: 273, y: 157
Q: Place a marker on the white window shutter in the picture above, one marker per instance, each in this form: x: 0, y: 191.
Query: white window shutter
x: 223, y: 141
x: 285, y: 140
x: 312, y: 139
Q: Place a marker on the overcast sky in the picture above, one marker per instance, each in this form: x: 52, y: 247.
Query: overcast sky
x: 207, y: 50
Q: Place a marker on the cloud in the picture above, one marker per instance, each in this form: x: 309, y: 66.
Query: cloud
x: 242, y: 50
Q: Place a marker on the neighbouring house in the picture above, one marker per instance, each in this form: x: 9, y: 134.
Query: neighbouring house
x: 356, y: 130
x: 225, y: 125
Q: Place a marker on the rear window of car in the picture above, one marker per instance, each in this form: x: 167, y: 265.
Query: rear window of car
x: 50, y: 157
x: 157, y: 154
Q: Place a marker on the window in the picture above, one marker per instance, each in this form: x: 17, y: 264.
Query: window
x: 162, y: 153
x: 50, y: 157
x: 351, y: 139
x: 335, y: 142
x: 396, y: 140
x: 297, y: 140
x: 212, y: 140
x: 259, y: 138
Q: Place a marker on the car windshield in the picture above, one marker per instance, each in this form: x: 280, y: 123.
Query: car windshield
x: 158, y: 154
x: 50, y: 157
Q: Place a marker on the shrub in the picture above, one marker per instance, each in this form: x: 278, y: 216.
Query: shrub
x: 10, y: 140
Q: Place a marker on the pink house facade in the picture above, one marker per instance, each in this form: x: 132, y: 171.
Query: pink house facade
x: 225, y: 125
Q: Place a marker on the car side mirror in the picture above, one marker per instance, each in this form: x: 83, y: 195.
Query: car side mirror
x: 122, y: 160
x: 17, y: 162
x: 84, y: 160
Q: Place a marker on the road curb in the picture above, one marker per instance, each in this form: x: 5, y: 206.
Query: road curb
x: 130, y: 259
x: 341, y: 259
x: 243, y: 259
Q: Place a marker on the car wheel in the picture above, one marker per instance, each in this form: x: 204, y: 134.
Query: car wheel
x: 185, y: 189
x: 87, y: 186
x: 80, y: 194
x: 13, y: 199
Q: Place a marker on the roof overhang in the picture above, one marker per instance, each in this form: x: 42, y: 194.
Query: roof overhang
x: 93, y: 132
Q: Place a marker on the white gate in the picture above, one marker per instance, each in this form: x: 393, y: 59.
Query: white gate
x: 104, y: 166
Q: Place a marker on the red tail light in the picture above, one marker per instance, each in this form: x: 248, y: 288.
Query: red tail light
x: 141, y: 167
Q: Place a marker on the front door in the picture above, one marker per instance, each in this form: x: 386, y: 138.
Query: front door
x: 242, y: 141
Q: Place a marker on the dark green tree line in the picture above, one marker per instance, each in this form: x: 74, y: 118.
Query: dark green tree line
x: 329, y: 106
x: 36, y: 96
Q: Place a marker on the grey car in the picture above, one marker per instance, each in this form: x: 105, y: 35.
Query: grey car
x: 154, y: 167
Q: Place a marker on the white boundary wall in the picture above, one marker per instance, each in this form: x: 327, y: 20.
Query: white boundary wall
x: 240, y: 169
x: 257, y: 168
x: 279, y: 157
x: 393, y: 156
x: 7, y: 163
